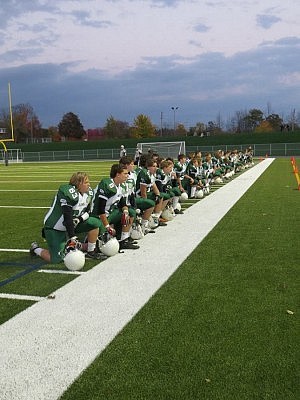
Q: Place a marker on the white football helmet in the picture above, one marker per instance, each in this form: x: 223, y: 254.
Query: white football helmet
x: 218, y: 180
x: 109, y: 248
x: 167, y: 214
x: 206, y: 190
x: 199, y: 194
x: 184, y: 196
x: 136, y: 232
x: 74, y: 260
x: 153, y: 222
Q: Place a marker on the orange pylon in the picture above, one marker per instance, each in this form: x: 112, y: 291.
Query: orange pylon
x: 295, y: 171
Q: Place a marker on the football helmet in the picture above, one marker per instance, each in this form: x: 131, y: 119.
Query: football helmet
x: 184, y: 196
x: 199, y: 194
x: 218, y: 179
x: 206, y: 190
x: 136, y: 232
x: 108, y: 245
x: 167, y: 214
x: 153, y: 222
x: 74, y: 260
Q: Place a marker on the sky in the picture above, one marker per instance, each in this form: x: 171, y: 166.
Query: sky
x: 121, y: 58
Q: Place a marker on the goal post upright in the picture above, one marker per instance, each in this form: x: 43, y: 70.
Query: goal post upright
x: 3, y: 132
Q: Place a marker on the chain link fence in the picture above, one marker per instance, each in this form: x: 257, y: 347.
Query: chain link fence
x: 259, y: 150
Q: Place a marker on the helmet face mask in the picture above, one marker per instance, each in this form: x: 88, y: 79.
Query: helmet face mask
x: 74, y: 260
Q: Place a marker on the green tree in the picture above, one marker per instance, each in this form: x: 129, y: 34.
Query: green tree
x: 275, y: 121
x: 181, y: 130
x: 71, y: 127
x: 116, y: 129
x: 253, y: 119
x: 143, y: 127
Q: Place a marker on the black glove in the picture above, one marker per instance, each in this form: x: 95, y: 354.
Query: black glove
x: 81, y: 218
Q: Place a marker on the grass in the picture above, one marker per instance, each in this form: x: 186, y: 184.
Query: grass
x: 218, y: 328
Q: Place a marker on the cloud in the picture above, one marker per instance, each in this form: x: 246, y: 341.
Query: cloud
x: 267, y: 21
x: 201, y: 87
x: 84, y: 18
x: 201, y: 28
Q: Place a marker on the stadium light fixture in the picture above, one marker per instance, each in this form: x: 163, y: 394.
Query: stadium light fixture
x: 174, y: 110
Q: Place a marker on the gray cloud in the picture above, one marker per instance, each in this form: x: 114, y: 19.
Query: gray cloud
x: 201, y: 87
x: 267, y: 21
x: 83, y: 18
x: 201, y: 28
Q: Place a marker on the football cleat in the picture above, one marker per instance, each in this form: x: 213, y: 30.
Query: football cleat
x: 34, y: 245
x: 94, y: 255
x: 178, y: 211
x: 126, y: 244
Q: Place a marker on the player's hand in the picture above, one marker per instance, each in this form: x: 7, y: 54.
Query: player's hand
x: 111, y: 230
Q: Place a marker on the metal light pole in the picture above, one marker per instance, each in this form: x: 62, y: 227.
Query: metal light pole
x: 174, y: 109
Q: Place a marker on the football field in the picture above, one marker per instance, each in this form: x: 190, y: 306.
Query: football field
x: 224, y: 325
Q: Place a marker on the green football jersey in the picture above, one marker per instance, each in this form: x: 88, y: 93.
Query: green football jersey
x: 67, y: 195
x: 110, y: 192
x: 144, y: 178
x: 128, y: 188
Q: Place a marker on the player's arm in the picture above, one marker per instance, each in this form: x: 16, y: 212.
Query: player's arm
x: 143, y: 188
x: 68, y: 219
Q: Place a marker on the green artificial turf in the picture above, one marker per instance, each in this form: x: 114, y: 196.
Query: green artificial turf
x: 221, y: 327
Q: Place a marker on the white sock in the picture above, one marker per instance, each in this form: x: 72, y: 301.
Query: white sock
x: 91, y: 246
x: 38, y: 251
x: 124, y: 235
x: 193, y: 191
x: 175, y: 201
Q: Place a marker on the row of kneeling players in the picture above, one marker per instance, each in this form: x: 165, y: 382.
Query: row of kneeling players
x: 85, y: 223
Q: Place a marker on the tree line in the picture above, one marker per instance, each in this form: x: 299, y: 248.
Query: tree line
x: 28, y: 129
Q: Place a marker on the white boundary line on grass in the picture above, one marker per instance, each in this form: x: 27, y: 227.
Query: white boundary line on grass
x: 47, y: 346
x: 20, y: 297
x: 16, y: 250
x: 59, y: 271
x: 12, y: 206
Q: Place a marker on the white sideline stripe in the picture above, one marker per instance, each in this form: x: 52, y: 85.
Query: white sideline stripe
x: 20, y: 297
x: 22, y: 207
x: 59, y: 271
x: 27, y: 190
x: 57, y: 340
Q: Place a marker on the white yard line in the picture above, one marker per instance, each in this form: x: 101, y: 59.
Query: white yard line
x: 46, y: 347
x: 58, y: 271
x: 20, y: 297
x: 16, y: 250
x: 12, y: 206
